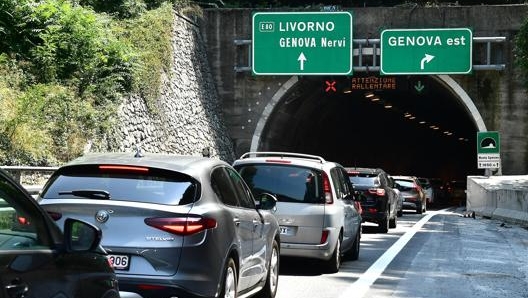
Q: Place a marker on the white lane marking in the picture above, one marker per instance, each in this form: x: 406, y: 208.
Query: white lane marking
x: 360, y: 287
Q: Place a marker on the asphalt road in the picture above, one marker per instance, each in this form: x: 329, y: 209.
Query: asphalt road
x: 437, y: 254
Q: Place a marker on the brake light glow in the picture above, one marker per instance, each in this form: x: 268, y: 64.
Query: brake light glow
x: 327, y: 190
x: 118, y: 168
x: 278, y: 161
x: 377, y: 191
x: 22, y: 220
x: 324, y: 236
x: 182, y: 226
x: 150, y: 287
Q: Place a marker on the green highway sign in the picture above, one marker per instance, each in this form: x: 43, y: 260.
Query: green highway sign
x: 488, y: 142
x: 488, y: 150
x: 302, y: 43
x: 426, y: 51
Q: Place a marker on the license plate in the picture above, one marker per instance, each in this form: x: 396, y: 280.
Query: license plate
x: 119, y: 262
x: 284, y: 230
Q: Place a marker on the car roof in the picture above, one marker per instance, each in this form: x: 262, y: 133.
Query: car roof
x: 285, y: 158
x: 376, y: 171
x: 405, y: 177
x: 180, y: 163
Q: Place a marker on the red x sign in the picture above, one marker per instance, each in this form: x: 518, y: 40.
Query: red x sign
x: 330, y: 86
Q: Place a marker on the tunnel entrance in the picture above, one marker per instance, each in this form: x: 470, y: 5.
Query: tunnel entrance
x: 407, y: 125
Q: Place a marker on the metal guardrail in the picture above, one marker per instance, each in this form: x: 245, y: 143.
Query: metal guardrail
x: 370, y: 48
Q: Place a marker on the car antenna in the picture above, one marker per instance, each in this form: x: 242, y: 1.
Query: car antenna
x: 138, y: 152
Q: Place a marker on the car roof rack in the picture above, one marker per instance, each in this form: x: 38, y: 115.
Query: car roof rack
x: 282, y: 155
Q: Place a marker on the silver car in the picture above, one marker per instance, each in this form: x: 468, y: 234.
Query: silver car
x: 174, y: 226
x: 316, y: 205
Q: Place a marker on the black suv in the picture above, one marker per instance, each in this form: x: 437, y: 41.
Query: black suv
x: 378, y: 199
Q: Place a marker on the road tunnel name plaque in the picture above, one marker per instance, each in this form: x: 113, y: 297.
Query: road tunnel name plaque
x: 302, y: 43
x: 426, y: 51
x: 488, y: 150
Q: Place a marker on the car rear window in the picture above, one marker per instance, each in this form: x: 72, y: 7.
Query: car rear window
x: 364, y: 179
x: 154, y: 186
x: 405, y: 185
x: 288, y: 183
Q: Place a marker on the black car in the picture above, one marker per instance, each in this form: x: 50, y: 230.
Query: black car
x: 38, y: 260
x: 378, y: 199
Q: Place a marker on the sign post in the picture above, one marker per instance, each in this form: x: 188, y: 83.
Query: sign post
x: 302, y: 43
x: 426, y: 51
x: 488, y: 150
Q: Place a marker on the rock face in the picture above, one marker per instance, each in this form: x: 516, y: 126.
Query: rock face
x: 188, y: 115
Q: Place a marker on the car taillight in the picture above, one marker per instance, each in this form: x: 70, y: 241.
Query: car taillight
x: 377, y: 191
x: 278, y: 161
x: 55, y: 215
x: 182, y: 226
x: 119, y: 168
x: 324, y: 236
x: 372, y: 210
x: 22, y: 220
x: 327, y: 190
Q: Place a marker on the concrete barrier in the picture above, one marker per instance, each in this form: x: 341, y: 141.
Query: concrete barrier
x: 499, y: 197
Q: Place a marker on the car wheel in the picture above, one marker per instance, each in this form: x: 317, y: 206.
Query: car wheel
x: 334, y: 263
x: 383, y: 225
x: 419, y: 209
x: 354, y: 254
x: 270, y: 288
x: 229, y: 287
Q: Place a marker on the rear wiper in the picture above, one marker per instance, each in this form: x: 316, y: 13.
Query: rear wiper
x: 88, y: 193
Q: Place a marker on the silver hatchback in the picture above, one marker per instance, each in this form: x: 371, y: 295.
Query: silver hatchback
x: 174, y: 226
x: 316, y: 206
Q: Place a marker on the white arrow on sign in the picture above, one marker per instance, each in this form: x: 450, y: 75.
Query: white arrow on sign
x: 426, y: 59
x: 301, y: 59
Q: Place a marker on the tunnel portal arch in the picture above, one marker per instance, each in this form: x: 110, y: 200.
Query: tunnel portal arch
x: 271, y: 122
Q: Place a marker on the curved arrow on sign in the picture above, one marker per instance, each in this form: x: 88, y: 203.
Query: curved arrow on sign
x: 426, y: 59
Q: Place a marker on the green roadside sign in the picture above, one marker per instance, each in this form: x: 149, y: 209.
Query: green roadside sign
x: 426, y: 51
x: 302, y: 43
x: 488, y: 142
x: 488, y: 150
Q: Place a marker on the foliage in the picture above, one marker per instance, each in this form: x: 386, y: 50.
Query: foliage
x: 62, y: 73
x: 42, y: 124
x: 150, y: 35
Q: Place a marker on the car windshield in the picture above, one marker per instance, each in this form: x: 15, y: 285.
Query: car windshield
x: 288, y: 183
x: 160, y: 188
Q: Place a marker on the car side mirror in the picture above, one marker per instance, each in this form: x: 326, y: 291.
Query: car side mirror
x: 80, y: 236
x: 266, y: 201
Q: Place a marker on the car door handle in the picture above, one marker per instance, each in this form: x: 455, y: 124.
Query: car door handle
x: 17, y: 289
x: 236, y: 220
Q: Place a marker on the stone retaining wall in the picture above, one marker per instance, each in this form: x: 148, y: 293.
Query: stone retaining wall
x: 189, y: 117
